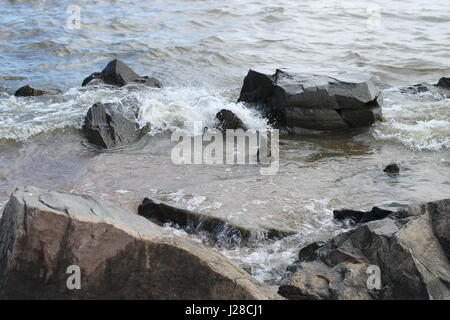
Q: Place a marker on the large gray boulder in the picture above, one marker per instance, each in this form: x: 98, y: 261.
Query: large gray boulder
x: 121, y: 255
x: 346, y: 100
x: 107, y: 127
x: 411, y: 250
x: 117, y: 73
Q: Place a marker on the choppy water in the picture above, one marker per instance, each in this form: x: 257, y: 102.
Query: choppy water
x: 201, y: 51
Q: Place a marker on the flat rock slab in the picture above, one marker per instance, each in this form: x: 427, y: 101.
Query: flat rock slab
x: 220, y: 229
x: 121, y: 255
x: 410, y: 249
x: 341, y: 101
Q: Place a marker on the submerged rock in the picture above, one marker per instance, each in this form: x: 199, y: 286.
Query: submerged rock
x: 27, y: 91
x: 107, y: 127
x: 415, y: 89
x: 120, y: 255
x: 228, y: 120
x: 117, y: 73
x: 410, y: 249
x: 220, y: 229
x: 361, y: 216
x: 392, y: 168
x: 444, y: 83
x: 347, y: 100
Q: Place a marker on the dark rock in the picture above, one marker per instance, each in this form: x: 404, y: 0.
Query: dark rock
x: 106, y: 127
x: 392, y: 168
x: 347, y: 100
x: 415, y: 89
x: 308, y: 253
x: 222, y: 231
x: 228, y: 120
x: 120, y: 254
x: 94, y: 79
x: 444, y: 83
x: 117, y: 73
x: 362, y: 216
x: 28, y: 91
x: 411, y: 248
x: 149, y: 81
x: 261, y: 89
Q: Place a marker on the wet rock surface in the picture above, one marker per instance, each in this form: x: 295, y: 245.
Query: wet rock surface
x: 411, y: 250
x: 444, y: 83
x: 221, y: 230
x: 117, y: 73
x: 392, y: 168
x: 228, y: 120
x: 121, y: 255
x: 27, y: 91
x: 346, y: 100
x: 416, y: 89
x: 361, y: 216
x: 107, y: 127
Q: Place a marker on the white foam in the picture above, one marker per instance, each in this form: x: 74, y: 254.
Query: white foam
x: 421, y: 122
x: 164, y: 109
x: 178, y: 108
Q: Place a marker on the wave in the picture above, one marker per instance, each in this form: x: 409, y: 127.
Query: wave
x: 163, y: 109
x: 420, y: 122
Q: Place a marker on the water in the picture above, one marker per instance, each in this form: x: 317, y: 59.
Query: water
x: 201, y: 51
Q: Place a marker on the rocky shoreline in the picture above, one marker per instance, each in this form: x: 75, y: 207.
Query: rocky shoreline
x: 127, y: 255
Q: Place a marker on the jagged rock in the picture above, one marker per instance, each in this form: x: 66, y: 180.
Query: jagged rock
x: 411, y: 249
x: 107, y: 127
x: 117, y: 73
x: 392, y: 168
x: 362, y: 216
x: 347, y: 100
x: 28, y: 91
x: 444, y: 83
x: 228, y: 120
x: 220, y: 229
x: 121, y: 255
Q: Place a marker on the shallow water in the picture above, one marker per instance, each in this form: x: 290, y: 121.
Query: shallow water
x: 201, y: 50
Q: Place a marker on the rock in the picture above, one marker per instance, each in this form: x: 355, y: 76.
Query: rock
x: 228, y: 120
x: 119, y: 74
x: 415, y: 89
x: 392, y: 168
x: 221, y: 230
x: 444, y: 83
x: 347, y: 100
x: 120, y: 255
x: 107, y: 127
x: 149, y: 81
x: 411, y: 249
x: 361, y: 216
x: 28, y: 91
